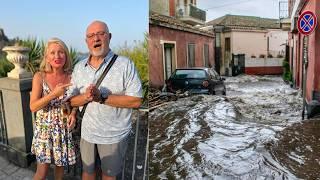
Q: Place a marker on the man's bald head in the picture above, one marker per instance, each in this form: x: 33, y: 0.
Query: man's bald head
x: 98, y: 24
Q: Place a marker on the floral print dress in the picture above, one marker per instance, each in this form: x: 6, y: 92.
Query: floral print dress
x: 52, y: 142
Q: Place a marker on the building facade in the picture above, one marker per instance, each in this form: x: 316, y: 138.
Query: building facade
x: 184, y: 10
x: 304, y: 55
x: 260, y: 40
x: 175, y: 41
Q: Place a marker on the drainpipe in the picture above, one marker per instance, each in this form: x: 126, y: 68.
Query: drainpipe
x: 304, y: 73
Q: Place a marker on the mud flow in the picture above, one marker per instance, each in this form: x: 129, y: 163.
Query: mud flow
x: 255, y: 132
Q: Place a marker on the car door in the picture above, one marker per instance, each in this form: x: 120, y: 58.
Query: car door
x: 219, y: 87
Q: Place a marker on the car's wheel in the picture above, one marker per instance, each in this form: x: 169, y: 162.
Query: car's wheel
x: 211, y: 91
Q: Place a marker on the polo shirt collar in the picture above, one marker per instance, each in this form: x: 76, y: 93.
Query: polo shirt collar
x: 105, y: 60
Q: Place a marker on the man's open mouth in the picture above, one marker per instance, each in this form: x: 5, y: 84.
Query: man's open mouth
x: 97, y: 45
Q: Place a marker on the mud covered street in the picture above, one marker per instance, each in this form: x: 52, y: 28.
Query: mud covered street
x: 298, y: 148
x: 255, y: 132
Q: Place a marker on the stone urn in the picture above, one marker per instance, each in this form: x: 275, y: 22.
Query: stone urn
x: 19, y: 56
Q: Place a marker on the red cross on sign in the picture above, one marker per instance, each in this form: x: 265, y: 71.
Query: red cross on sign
x: 307, y: 22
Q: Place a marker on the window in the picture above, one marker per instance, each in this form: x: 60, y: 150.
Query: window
x: 227, y: 44
x: 227, y: 56
x: 191, y: 55
x: 214, y: 74
x: 190, y: 73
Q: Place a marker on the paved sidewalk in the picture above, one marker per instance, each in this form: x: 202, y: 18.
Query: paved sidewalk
x: 9, y: 171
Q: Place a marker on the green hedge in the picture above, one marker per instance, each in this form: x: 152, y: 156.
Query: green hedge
x: 287, y: 74
x: 5, y: 66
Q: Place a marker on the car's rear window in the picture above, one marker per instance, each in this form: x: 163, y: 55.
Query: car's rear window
x: 189, y: 73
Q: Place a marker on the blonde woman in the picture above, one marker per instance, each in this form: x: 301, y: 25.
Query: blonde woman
x: 52, y: 139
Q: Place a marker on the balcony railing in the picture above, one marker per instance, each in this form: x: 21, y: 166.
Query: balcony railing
x: 191, y: 14
x: 197, y: 13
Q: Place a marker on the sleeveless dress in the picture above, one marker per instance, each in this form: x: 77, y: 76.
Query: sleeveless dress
x: 52, y: 142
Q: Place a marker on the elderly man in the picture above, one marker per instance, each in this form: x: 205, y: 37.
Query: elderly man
x: 107, y: 119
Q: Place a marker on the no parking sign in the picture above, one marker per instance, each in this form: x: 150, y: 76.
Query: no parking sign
x: 307, y: 22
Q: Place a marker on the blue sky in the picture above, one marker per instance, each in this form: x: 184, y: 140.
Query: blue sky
x: 68, y: 19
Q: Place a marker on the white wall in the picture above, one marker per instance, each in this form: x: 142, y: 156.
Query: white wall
x: 249, y: 43
x: 256, y: 43
x: 263, y: 62
x: 277, y: 39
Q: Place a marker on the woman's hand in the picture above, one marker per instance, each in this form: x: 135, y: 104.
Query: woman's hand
x: 60, y: 89
x: 71, y: 121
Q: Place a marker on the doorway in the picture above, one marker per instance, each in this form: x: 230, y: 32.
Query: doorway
x: 168, y: 59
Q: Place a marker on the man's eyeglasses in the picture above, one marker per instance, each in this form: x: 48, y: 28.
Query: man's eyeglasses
x: 99, y: 34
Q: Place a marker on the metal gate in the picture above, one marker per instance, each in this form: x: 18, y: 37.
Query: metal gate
x: 238, y: 64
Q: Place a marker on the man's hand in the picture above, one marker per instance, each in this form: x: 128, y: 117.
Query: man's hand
x: 89, y: 93
x: 96, y: 94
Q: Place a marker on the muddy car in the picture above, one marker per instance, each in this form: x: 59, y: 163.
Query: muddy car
x: 197, y: 80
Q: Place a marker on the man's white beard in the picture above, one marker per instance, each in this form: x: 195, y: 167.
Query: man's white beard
x: 97, y: 52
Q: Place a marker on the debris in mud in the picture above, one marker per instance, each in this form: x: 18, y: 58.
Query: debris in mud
x: 158, y: 98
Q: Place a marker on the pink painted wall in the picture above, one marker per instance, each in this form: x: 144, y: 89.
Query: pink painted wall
x: 181, y: 38
x: 313, y: 71
x: 172, y: 8
x: 316, y: 50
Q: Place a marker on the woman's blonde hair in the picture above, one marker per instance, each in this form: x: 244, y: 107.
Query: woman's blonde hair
x: 45, y: 66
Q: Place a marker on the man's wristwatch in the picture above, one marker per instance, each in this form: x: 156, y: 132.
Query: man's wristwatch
x: 103, y: 97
